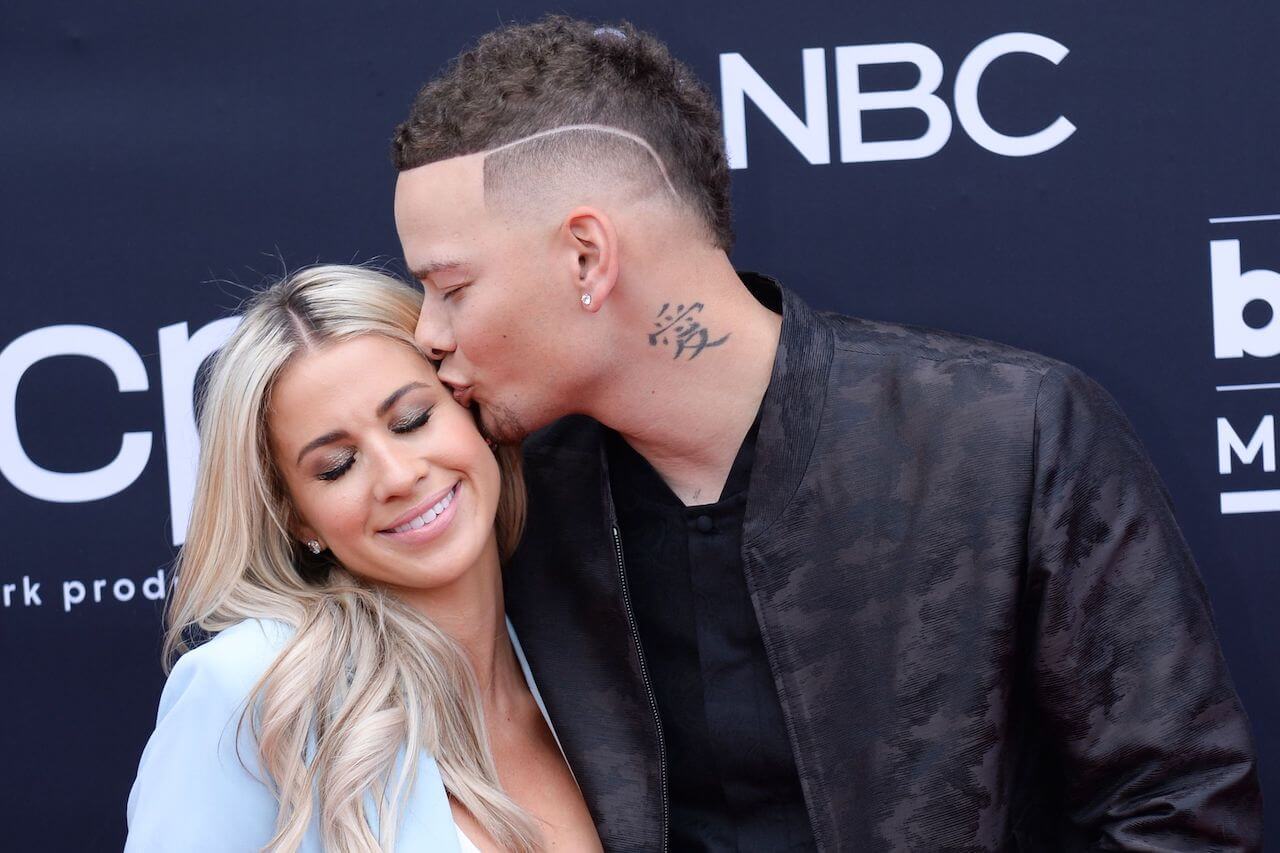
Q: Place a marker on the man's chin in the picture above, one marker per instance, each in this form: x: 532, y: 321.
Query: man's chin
x: 501, y: 425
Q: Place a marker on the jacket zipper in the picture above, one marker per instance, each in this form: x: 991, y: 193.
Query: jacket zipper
x: 648, y: 686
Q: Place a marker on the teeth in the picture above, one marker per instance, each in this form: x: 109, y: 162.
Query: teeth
x: 428, y: 516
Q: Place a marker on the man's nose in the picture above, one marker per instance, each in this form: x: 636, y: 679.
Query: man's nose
x: 433, y: 334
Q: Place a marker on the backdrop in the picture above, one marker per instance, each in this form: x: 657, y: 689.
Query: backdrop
x: 1097, y: 182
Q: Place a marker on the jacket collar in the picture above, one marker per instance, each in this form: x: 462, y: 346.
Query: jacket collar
x: 564, y: 585
x: 792, y: 409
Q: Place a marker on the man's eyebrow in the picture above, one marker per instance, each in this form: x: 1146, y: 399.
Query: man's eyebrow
x: 327, y: 438
x: 432, y: 267
x: 386, y: 404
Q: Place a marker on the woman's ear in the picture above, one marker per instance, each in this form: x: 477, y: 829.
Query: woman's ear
x: 302, y: 532
x: 590, y: 236
x: 312, y: 543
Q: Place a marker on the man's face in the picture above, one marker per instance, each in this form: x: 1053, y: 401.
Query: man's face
x: 498, y: 307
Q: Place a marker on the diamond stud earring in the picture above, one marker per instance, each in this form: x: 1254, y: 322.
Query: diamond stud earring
x: 586, y: 299
x: 314, y: 545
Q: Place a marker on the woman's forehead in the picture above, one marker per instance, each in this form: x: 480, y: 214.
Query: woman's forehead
x: 352, y: 375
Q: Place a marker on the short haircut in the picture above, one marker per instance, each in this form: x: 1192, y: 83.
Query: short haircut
x: 561, y: 74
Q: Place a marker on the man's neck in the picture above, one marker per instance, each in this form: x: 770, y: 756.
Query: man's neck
x: 692, y: 381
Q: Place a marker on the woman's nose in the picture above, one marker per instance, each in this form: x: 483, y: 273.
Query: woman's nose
x: 398, y: 473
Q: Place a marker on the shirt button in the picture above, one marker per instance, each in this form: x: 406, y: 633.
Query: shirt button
x: 704, y: 524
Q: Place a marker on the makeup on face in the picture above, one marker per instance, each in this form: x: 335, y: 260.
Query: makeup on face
x: 407, y: 422
x: 384, y: 467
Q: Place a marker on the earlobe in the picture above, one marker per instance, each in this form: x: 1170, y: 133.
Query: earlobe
x: 306, y: 536
x: 595, y: 245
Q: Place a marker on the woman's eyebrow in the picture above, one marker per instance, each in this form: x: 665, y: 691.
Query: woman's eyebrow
x: 386, y: 404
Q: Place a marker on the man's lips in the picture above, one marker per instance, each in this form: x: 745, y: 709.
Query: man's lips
x: 418, y: 510
x: 462, y: 393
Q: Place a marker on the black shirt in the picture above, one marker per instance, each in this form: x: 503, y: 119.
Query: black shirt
x: 732, y: 778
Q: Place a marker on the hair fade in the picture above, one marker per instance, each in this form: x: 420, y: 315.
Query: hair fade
x: 524, y: 79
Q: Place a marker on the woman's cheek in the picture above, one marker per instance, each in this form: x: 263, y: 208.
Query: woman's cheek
x: 344, y: 510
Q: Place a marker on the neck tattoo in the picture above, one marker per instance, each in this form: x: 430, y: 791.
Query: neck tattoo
x: 676, y: 323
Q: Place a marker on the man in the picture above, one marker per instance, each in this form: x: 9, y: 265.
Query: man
x: 791, y: 580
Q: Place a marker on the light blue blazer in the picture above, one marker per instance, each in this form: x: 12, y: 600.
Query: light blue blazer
x: 196, y: 792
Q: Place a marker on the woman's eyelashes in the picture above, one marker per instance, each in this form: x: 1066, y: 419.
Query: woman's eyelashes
x: 410, y: 421
x: 405, y: 423
x: 333, y: 473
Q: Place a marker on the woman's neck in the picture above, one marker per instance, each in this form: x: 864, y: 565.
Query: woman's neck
x: 471, y: 611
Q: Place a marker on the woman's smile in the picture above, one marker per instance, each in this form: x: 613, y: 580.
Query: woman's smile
x: 428, y: 520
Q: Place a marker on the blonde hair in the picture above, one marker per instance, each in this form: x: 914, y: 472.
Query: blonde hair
x: 364, y: 675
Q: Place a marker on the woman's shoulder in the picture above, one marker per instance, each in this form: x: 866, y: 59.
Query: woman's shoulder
x: 234, y: 660
x: 199, y: 745
x: 246, y: 642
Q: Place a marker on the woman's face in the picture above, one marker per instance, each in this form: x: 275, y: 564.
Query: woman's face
x: 383, y: 467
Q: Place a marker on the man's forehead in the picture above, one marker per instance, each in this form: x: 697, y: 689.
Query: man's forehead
x: 444, y: 183
x: 437, y: 210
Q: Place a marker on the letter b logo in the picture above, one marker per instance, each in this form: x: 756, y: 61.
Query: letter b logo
x: 1232, y: 291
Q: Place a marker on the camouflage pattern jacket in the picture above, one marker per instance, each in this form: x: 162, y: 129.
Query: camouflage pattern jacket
x: 983, y: 623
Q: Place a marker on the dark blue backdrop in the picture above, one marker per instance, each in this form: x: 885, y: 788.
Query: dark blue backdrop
x: 153, y: 154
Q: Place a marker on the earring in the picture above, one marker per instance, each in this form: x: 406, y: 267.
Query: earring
x: 314, y: 545
x: 586, y: 300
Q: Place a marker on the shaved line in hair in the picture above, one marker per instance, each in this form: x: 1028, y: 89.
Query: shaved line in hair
x: 596, y: 128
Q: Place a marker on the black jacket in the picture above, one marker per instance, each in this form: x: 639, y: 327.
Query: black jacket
x: 984, y: 626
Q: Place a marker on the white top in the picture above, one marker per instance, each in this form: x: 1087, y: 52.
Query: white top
x: 200, y: 787
x: 464, y: 843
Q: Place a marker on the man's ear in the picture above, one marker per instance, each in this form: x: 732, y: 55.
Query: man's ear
x: 590, y: 234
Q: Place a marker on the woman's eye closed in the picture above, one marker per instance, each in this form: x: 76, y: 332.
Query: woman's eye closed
x: 411, y: 421
x: 408, y: 423
x: 333, y: 473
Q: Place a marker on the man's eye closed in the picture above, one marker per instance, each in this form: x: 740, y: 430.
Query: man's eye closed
x: 453, y: 291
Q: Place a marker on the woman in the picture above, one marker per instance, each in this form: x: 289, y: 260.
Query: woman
x: 361, y: 690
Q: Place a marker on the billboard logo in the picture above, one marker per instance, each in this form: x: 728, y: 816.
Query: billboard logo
x: 1246, y: 325
x: 1236, y: 333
